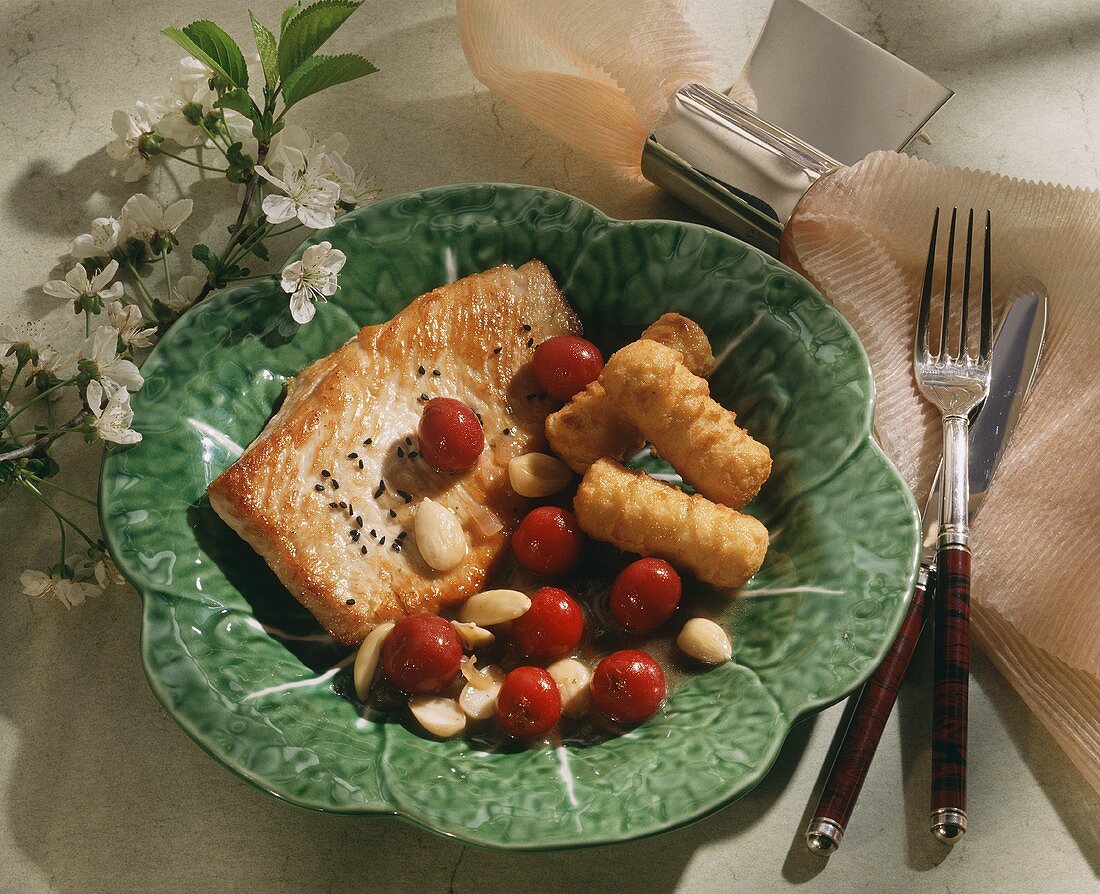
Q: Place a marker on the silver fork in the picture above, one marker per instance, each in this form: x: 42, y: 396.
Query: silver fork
x: 955, y: 384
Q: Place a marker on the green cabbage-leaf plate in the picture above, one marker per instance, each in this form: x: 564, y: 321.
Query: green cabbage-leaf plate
x: 251, y: 678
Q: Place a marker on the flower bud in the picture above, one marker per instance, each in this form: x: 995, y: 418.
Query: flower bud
x: 193, y: 113
x: 148, y: 144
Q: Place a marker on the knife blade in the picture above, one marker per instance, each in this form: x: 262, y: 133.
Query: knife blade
x: 1016, y: 353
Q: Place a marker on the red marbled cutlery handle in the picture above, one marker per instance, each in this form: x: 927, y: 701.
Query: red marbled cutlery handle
x: 875, y: 702
x: 950, y: 692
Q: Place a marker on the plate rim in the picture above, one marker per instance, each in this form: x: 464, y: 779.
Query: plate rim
x: 868, y: 441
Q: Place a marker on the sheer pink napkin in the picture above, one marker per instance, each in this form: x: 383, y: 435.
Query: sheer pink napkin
x: 598, y: 74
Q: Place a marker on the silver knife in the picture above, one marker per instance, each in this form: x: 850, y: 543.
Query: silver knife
x: 1019, y: 344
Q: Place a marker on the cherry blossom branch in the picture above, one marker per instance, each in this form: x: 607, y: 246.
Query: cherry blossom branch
x: 38, y: 444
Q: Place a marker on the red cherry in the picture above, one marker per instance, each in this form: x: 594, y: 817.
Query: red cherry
x: 528, y: 703
x: 645, y: 594
x: 551, y: 627
x: 422, y: 654
x: 548, y: 541
x: 450, y: 435
x: 628, y: 686
x: 565, y: 364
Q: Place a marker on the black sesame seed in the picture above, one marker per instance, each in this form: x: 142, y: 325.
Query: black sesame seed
x: 354, y: 534
x: 360, y: 464
x: 353, y: 456
x: 351, y: 509
x: 381, y: 489
x: 342, y: 505
x: 400, y: 452
x: 368, y: 442
x: 436, y: 373
x: 396, y: 547
x: 332, y: 505
x: 382, y: 542
x: 530, y: 342
x: 420, y: 371
x: 424, y: 397
x: 359, y: 520
x: 363, y: 549
x: 409, y: 441
x: 393, y: 513
x: 479, y: 419
x: 497, y: 349
x: 374, y: 533
x: 335, y: 484
x: 508, y: 431
x: 405, y: 495
x: 531, y: 396
x: 325, y: 473
x: 526, y: 327
x: 402, y: 535
x: 349, y: 602
x: 318, y: 487
x: 413, y: 454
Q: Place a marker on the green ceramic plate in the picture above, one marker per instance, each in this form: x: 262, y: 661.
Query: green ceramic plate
x: 249, y: 676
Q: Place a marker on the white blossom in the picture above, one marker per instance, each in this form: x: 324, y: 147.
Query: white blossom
x: 100, y: 242
x: 60, y: 364
x: 113, y: 419
x: 190, y: 83
x: 77, y: 285
x: 69, y: 593
x: 300, y: 167
x: 313, y: 278
x: 132, y: 130
x: 129, y: 322
x: 106, y: 573
x: 354, y: 189
x: 115, y: 372
x: 146, y: 219
x: 240, y: 131
x: 11, y: 337
x: 185, y: 291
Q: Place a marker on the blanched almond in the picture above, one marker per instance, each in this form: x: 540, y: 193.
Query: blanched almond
x: 366, y: 659
x: 538, y: 475
x: 480, y: 702
x: 704, y: 640
x: 472, y: 636
x: 494, y: 607
x: 440, y: 539
x: 572, y: 677
x: 439, y: 715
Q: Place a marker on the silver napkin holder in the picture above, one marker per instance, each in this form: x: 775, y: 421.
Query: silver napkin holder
x: 824, y: 97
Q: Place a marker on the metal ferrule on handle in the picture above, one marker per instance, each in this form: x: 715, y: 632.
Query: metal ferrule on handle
x: 955, y: 524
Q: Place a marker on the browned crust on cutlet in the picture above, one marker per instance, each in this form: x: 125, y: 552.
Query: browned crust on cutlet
x: 315, y: 399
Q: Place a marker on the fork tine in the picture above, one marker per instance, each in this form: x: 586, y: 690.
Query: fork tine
x: 966, y: 284
x: 944, y: 352
x: 987, y: 302
x: 920, y: 340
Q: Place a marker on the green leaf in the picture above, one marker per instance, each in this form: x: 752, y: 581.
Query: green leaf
x: 205, y: 256
x: 265, y: 44
x: 321, y: 72
x: 238, y: 100
x: 209, y: 43
x: 306, y: 31
x: 289, y: 13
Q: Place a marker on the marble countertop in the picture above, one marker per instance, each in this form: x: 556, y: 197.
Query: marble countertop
x: 102, y: 792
